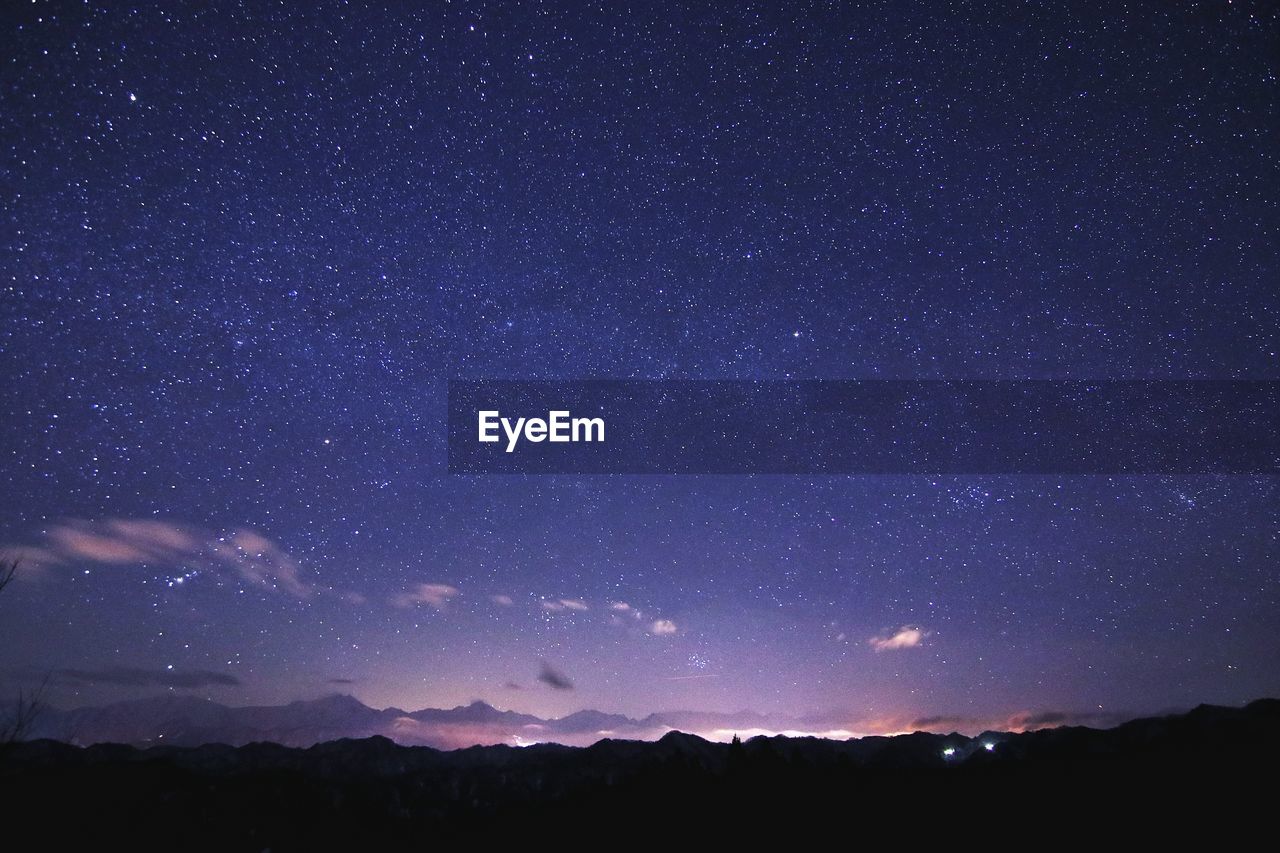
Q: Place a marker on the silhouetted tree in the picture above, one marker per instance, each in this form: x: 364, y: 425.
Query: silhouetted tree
x: 27, y: 707
x: 736, y: 761
x: 8, y: 569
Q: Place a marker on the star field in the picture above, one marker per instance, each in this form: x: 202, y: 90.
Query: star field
x: 245, y: 248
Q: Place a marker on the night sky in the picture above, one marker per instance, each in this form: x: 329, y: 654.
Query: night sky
x: 244, y: 250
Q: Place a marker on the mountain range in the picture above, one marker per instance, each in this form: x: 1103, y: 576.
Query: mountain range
x: 181, y: 720
x: 1152, y: 781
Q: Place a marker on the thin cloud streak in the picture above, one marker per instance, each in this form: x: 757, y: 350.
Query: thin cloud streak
x: 126, y: 676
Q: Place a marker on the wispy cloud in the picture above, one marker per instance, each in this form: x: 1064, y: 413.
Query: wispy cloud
x: 625, y: 615
x: 906, y: 637
x: 127, y: 676
x: 436, y: 595
x: 261, y: 561
x: 1026, y: 721
x: 242, y: 554
x: 501, y: 600
x: 1020, y: 721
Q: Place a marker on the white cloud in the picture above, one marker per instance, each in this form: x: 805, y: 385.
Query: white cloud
x: 238, y: 554
x: 434, y: 594
x: 663, y: 627
x: 906, y: 637
x: 501, y: 600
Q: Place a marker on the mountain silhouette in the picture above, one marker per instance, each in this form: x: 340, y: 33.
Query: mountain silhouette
x: 188, y: 721
x: 1156, y: 776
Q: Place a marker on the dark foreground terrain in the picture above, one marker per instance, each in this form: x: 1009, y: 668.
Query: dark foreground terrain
x: 1209, y: 770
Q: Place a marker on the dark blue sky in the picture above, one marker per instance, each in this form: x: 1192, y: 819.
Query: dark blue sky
x: 244, y: 249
